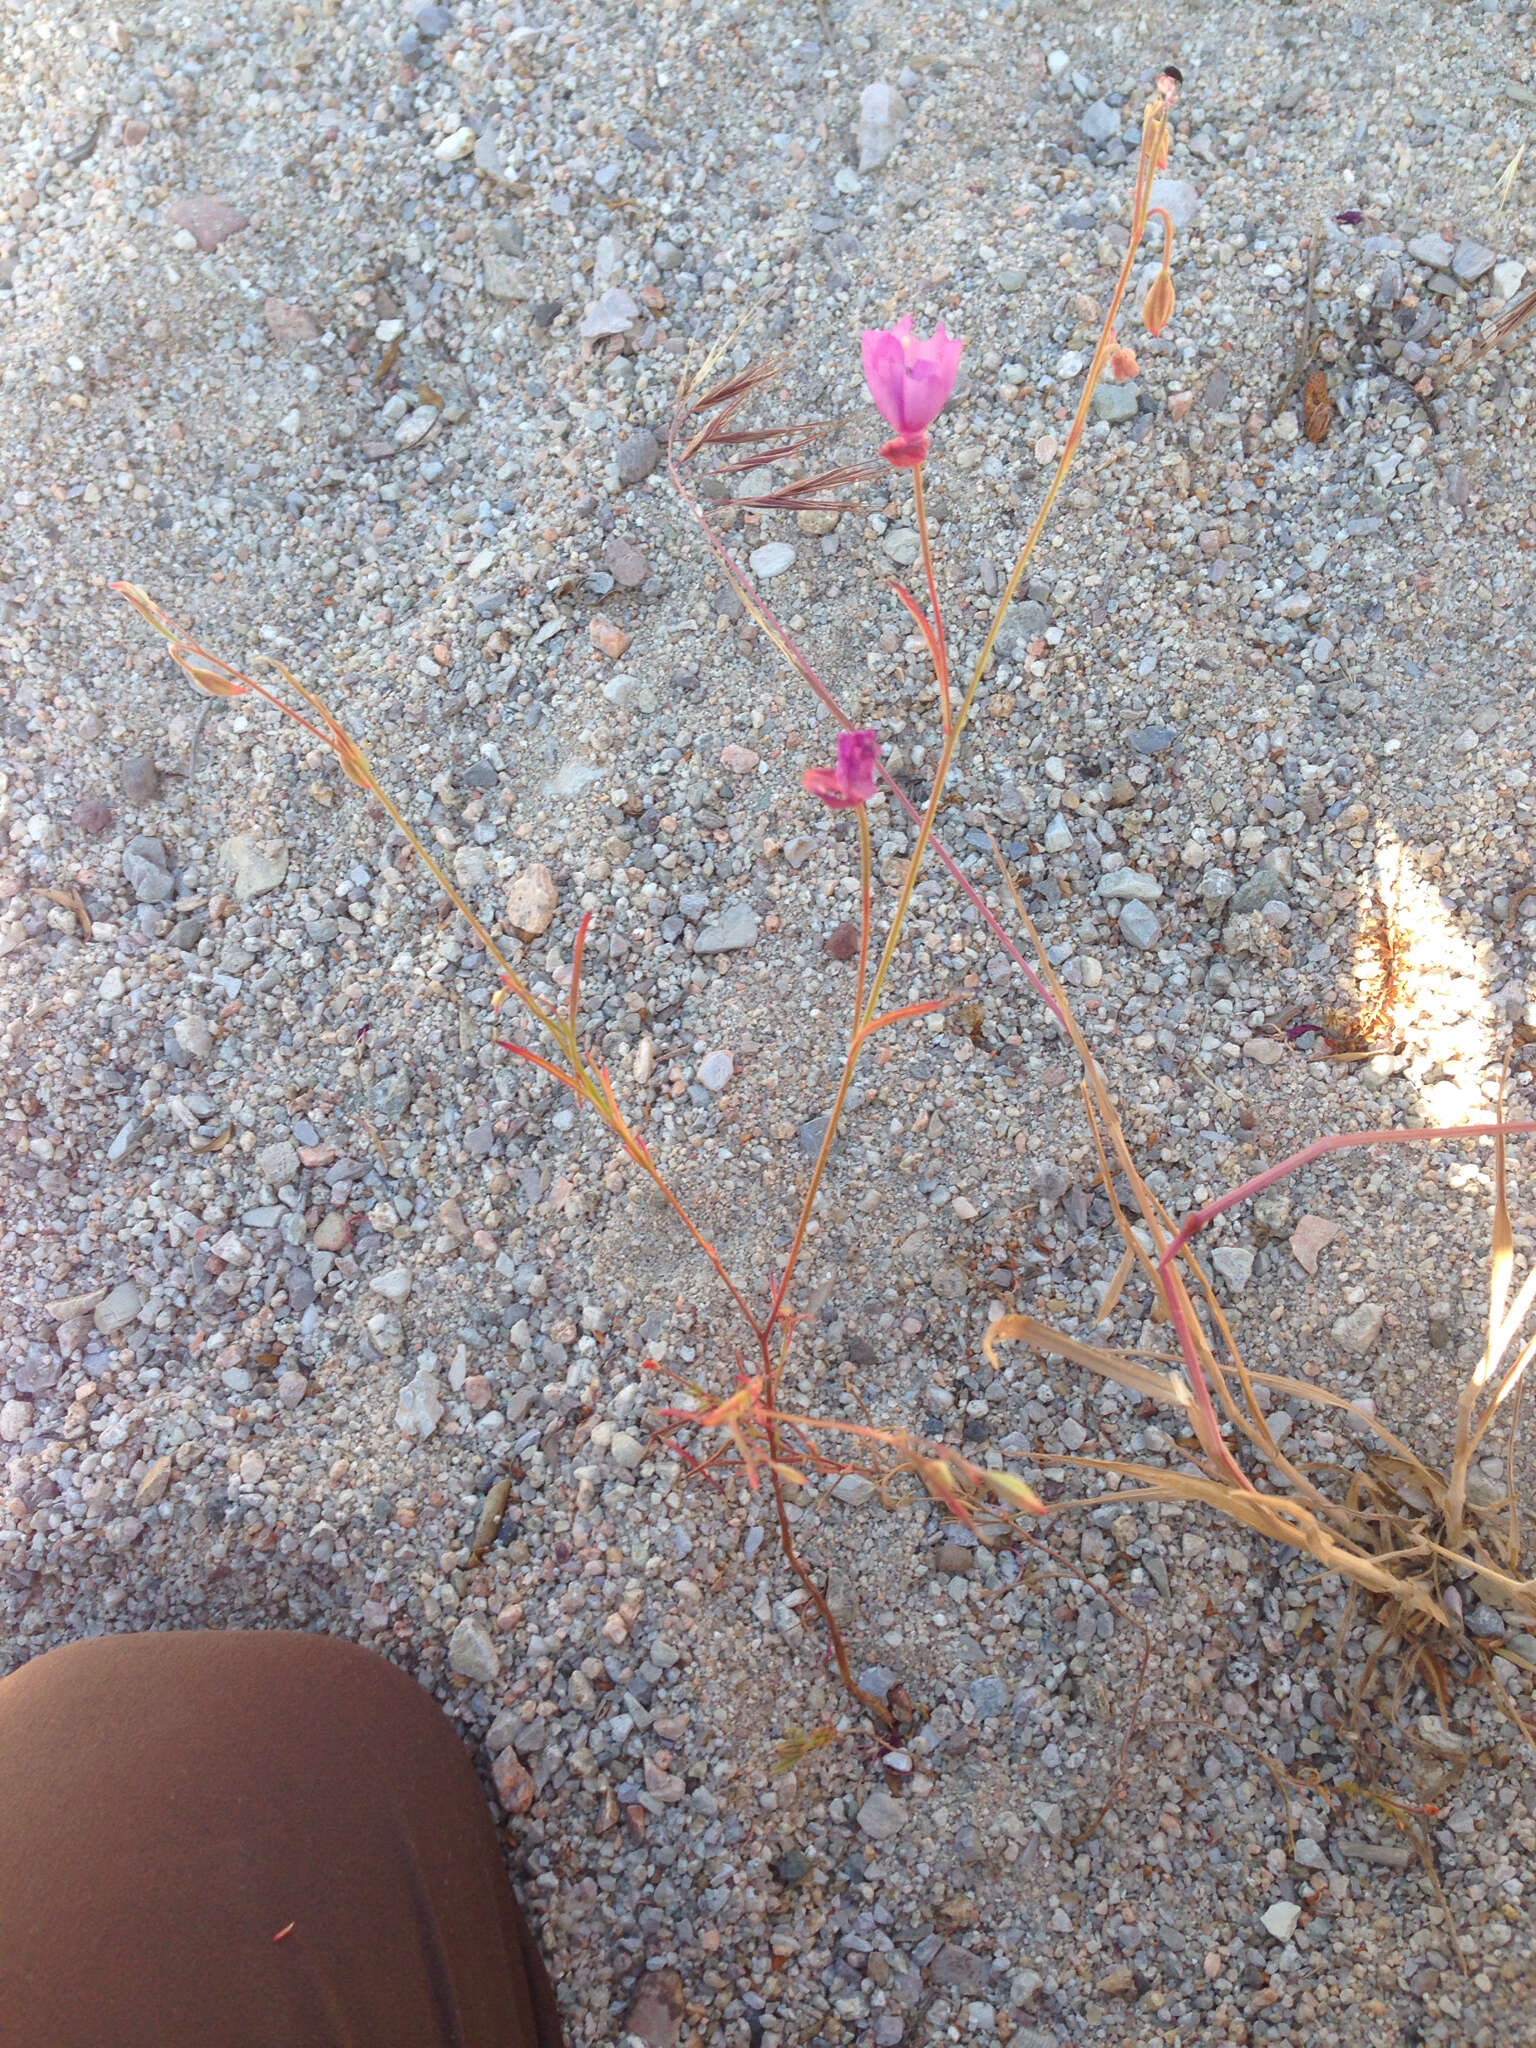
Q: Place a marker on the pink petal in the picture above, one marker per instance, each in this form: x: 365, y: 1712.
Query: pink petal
x: 885, y: 372
x: 910, y: 379
x: 857, y: 753
x: 823, y: 783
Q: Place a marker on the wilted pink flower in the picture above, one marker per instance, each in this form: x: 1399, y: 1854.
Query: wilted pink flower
x: 910, y: 381
x: 852, y: 781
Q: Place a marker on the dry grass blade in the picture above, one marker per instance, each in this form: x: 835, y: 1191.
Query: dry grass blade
x: 809, y: 432
x: 1112, y: 1365
x: 808, y: 494
x: 1507, y: 325
x: 1395, y: 1530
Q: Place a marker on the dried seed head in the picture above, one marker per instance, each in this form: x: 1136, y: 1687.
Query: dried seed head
x: 1157, y: 307
x: 211, y: 681
x: 1123, y: 365
x: 350, y: 757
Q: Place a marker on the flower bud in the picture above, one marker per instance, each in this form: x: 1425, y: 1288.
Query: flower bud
x: 1157, y: 308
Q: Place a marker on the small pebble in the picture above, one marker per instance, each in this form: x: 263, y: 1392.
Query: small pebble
x: 638, y: 456
x: 772, y: 559
x: 1138, y: 925
x: 472, y: 1652
x: 715, y: 1069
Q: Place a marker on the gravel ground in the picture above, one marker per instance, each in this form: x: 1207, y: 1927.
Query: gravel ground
x: 347, y: 332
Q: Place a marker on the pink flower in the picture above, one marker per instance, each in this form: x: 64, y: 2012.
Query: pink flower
x: 852, y: 781
x: 910, y: 382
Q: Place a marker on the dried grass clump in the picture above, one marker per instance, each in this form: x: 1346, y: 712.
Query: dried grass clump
x: 1404, y: 1535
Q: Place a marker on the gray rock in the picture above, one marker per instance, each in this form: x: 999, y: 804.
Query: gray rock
x: 488, y: 158
x: 257, y: 871
x: 734, y: 928
x: 957, y: 1969
x: 1126, y: 885
x: 1058, y: 835
x: 1217, y: 888
x: 715, y: 1069
x: 1263, y: 886
x: 1508, y: 277
x: 638, y: 456
x: 145, y: 874
x: 194, y: 1035
x: 625, y: 563
x: 472, y: 1652
x: 391, y: 1097
x: 420, y: 1406
x: 853, y: 1490
x: 812, y: 1132
x: 1138, y: 926
x: 432, y: 20
x: 1153, y: 739
x: 119, y: 1309
x: 1359, y: 1330
x: 1100, y: 122
x: 1114, y: 402
x: 614, y: 312
x: 771, y: 559
x: 989, y: 1696
x: 39, y: 1370
x: 881, y: 1817
x: 1273, y: 1210
x: 626, y: 1451
x: 1234, y: 1264
x: 1280, y: 1919
x: 882, y: 123
x: 278, y: 1164
x: 140, y: 778
x: 291, y: 1388
x: 1471, y: 261
x: 1432, y: 249
x: 127, y: 1138
x: 15, y: 1420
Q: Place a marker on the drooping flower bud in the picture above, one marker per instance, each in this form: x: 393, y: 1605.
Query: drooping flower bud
x: 1157, y: 307
x: 852, y: 781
